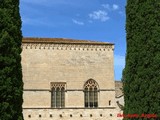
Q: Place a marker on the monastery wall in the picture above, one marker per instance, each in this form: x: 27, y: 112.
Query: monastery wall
x: 74, y: 65
x: 70, y: 114
x: 70, y: 64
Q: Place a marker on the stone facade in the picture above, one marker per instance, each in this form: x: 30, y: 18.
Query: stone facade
x: 52, y: 62
x: 119, y: 97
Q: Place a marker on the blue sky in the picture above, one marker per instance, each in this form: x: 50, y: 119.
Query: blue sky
x: 100, y: 20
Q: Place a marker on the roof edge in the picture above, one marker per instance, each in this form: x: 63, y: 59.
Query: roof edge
x: 62, y: 41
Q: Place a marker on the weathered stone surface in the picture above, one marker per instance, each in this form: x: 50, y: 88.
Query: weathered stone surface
x: 73, y: 64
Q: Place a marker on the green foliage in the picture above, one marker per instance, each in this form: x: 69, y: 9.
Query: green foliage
x: 141, y: 77
x: 11, y: 84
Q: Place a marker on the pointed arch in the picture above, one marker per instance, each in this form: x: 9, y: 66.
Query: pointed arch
x: 91, y: 83
x: 91, y: 93
x: 58, y: 94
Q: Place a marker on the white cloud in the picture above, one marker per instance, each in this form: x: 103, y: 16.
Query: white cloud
x: 38, y: 2
x: 110, y: 7
x: 29, y: 21
x: 50, y: 3
x: 36, y: 21
x: 107, y: 6
x: 78, y: 22
x: 115, y: 7
x: 99, y: 15
x: 121, y: 13
x: 90, y: 21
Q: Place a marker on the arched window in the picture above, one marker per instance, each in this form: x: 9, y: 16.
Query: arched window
x: 58, y: 95
x: 91, y: 93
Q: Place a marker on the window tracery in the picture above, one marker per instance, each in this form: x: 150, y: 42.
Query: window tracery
x: 58, y: 94
x: 91, y: 93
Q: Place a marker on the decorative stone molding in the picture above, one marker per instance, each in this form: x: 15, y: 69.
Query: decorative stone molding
x: 69, y: 90
x: 68, y: 46
x: 91, y: 84
x: 58, y: 85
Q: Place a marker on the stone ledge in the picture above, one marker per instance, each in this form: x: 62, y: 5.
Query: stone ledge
x: 70, y: 108
x: 54, y: 46
x: 66, y: 90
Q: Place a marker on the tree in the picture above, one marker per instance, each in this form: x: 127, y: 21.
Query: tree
x: 11, y: 84
x: 141, y: 76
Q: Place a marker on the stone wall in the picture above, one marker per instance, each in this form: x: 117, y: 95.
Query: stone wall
x: 119, y: 97
x: 72, y: 64
x: 70, y: 114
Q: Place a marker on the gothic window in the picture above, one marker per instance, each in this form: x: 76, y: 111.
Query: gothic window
x: 58, y: 94
x: 91, y: 93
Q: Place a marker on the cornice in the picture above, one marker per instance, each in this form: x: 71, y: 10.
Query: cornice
x: 62, y: 41
x: 55, y: 46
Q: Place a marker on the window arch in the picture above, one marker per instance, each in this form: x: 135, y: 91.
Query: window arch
x: 91, y: 93
x: 58, y: 95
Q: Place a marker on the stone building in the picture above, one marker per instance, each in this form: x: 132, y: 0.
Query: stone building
x: 119, y: 98
x: 66, y: 79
